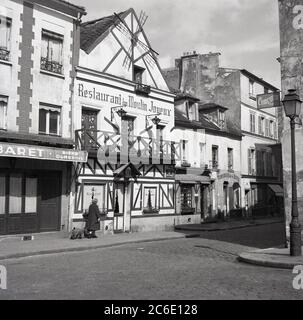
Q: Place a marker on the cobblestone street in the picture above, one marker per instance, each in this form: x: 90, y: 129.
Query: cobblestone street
x: 192, y: 268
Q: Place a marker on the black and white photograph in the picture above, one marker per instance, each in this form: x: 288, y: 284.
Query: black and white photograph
x: 151, y: 151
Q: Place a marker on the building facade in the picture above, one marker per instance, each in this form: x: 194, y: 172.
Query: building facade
x: 124, y: 118
x: 37, y: 54
x: 209, y: 169
x: 234, y: 93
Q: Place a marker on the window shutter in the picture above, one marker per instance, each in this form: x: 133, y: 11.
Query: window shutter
x: 249, y: 161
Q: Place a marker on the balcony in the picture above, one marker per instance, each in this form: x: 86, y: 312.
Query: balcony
x: 110, y: 147
x: 51, y: 66
x: 213, y: 166
x: 185, y: 164
x: 142, y: 89
x: 4, y: 54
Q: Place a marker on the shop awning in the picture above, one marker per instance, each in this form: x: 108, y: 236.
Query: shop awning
x: 277, y: 189
x: 192, y: 179
x: 41, y: 153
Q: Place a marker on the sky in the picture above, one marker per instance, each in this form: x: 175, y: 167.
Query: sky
x: 245, y: 32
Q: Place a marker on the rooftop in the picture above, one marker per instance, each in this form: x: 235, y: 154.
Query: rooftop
x: 91, y: 31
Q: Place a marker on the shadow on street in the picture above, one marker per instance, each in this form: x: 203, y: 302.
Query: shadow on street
x: 265, y: 236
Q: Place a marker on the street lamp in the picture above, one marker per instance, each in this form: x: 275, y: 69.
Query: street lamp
x: 292, y: 107
x: 156, y: 120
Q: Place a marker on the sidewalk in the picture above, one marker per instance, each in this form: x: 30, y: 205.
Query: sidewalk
x: 272, y: 257
x: 228, y: 225
x: 58, y: 242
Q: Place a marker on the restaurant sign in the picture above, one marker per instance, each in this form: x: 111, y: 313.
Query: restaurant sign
x: 269, y: 100
x: 41, y: 153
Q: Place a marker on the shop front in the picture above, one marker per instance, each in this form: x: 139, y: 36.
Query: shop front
x: 34, y: 187
x: 229, y: 195
x: 264, y: 198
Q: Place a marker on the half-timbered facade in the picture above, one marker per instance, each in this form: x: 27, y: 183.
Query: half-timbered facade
x: 124, y: 114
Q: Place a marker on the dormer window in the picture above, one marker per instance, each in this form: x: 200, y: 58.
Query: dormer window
x: 221, y: 117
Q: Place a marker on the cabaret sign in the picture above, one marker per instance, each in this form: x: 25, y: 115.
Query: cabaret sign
x: 123, y: 101
x: 41, y: 153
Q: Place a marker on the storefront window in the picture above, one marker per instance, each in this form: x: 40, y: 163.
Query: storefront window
x: 15, y: 194
x: 150, y: 197
x: 94, y: 191
x: 2, y: 194
x: 186, y: 197
x: 30, y: 195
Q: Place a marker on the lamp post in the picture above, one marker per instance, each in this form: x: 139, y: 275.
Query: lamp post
x: 292, y: 107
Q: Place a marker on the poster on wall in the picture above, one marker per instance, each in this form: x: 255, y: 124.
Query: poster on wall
x: 91, y: 191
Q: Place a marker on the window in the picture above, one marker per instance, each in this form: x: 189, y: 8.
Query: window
x: 97, y: 191
x: 138, y: 74
x: 271, y: 128
x: 269, y: 167
x: 215, y: 157
x: 266, y: 127
x: 49, y: 120
x: 251, y: 89
x: 202, y: 154
x: 2, y: 194
x: 261, y: 125
x: 275, y: 130
x: 251, y: 162
x: 230, y: 158
x: 51, y: 51
x: 264, y: 163
x: 5, y: 38
x: 190, y: 111
x: 3, y: 112
x: 265, y: 90
x: 15, y: 194
x: 186, y: 198
x: 150, y: 198
x: 184, y: 144
x: 30, y: 194
x: 221, y: 117
x: 252, y: 122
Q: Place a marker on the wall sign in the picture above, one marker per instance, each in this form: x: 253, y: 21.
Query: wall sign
x: 41, y: 153
x: 116, y: 99
x: 268, y: 100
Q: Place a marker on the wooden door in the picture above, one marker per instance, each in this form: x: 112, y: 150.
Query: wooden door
x: 50, y: 202
x: 119, y: 207
x: 90, y: 126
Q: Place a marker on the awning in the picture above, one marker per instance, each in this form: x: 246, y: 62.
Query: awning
x: 192, y: 179
x: 277, y: 189
x: 187, y: 182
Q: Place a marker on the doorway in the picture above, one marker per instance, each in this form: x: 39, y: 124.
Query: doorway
x: 30, y: 202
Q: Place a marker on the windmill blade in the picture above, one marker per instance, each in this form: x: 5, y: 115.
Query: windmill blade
x: 142, y: 20
x: 134, y: 37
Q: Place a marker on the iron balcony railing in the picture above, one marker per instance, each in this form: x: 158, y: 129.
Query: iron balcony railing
x: 4, y: 54
x: 51, y: 66
x: 111, y: 147
x: 142, y: 89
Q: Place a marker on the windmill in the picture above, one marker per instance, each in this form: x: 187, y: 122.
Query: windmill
x: 144, y: 49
